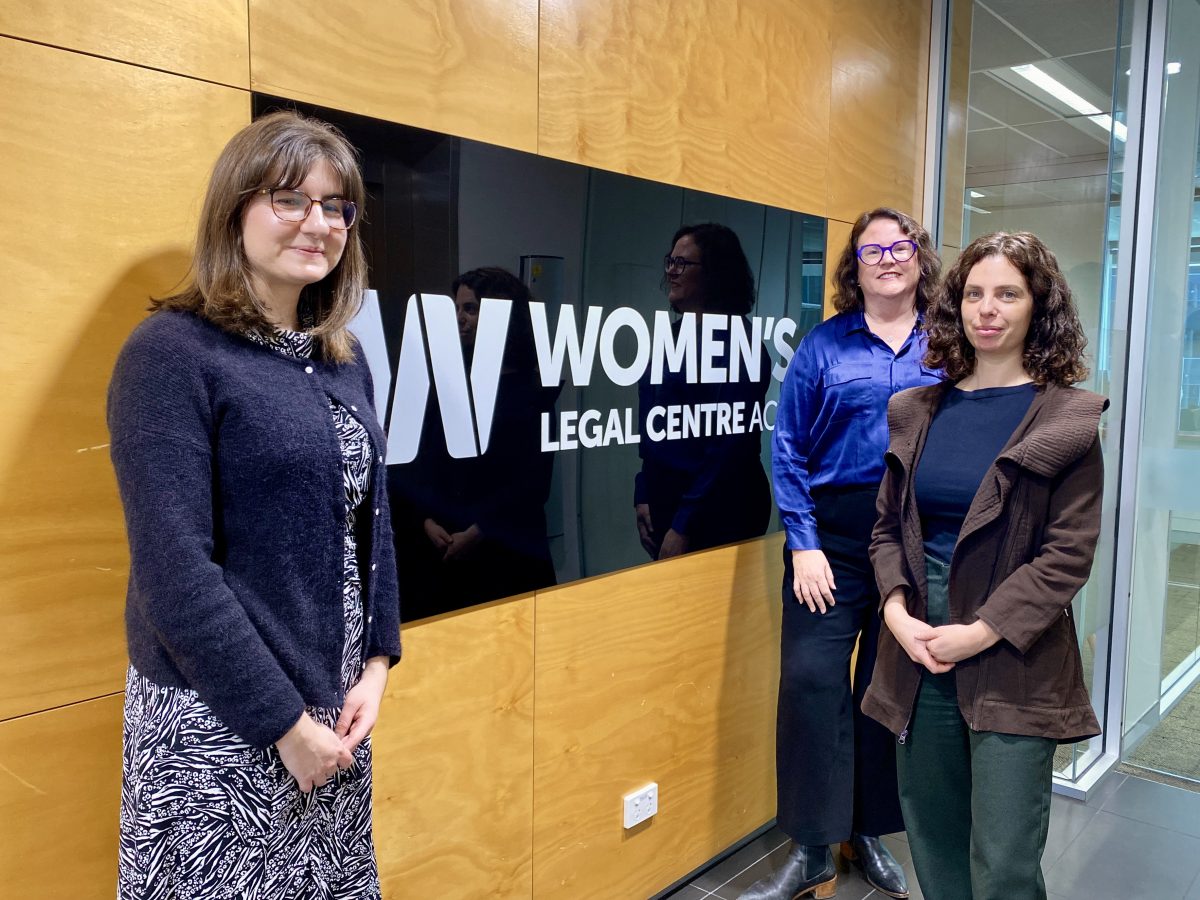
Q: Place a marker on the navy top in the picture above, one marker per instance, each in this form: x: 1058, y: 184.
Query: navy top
x: 966, y: 435
x: 230, y: 472
x: 831, y: 428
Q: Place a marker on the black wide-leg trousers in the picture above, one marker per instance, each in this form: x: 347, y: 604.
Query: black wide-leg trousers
x: 836, y: 768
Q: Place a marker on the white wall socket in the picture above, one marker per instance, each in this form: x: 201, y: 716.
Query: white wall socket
x: 640, y: 804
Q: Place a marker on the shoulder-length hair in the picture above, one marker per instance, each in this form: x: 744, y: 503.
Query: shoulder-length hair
x: 847, y: 296
x: 724, y: 270
x: 1054, y: 345
x: 276, y: 150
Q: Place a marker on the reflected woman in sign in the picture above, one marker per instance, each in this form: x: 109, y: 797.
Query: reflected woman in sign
x: 706, y: 489
x: 836, y: 768
x: 481, y: 521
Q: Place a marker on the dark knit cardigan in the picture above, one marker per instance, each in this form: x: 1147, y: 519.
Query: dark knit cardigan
x: 230, y: 474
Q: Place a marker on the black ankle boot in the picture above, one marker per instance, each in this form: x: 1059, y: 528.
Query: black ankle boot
x: 877, y: 864
x: 807, y: 872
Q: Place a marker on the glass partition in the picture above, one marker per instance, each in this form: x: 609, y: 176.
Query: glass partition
x: 1043, y: 152
x: 1162, y: 699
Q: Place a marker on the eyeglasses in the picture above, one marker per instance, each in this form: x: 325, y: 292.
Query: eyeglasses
x: 872, y: 254
x: 292, y: 205
x: 679, y: 263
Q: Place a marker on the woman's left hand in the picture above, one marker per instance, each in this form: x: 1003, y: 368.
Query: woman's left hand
x: 361, y: 709
x: 674, y: 544
x: 954, y: 643
x: 463, y: 543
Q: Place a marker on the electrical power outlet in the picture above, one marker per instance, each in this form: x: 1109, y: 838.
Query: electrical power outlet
x: 640, y: 804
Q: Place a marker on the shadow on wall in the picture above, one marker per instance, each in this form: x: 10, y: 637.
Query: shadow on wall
x: 65, y: 558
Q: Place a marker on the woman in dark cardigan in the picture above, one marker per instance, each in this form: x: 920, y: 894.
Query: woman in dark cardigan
x: 262, y: 614
x: 988, y: 518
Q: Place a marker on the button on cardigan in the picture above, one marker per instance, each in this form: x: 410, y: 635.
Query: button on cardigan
x: 229, y: 471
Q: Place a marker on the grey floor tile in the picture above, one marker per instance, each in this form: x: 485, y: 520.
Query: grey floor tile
x: 1158, y: 804
x: 757, y: 849
x: 1067, y: 819
x: 851, y: 885
x: 1107, y: 787
x: 914, y: 887
x: 687, y: 892
x: 1115, y: 857
x: 732, y: 888
x: 899, y: 847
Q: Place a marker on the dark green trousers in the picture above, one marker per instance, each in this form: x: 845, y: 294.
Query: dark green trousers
x: 976, y: 804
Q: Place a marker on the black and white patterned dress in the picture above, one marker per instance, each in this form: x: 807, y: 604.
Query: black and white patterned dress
x: 204, y: 815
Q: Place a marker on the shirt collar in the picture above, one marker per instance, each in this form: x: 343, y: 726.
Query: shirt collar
x: 856, y: 320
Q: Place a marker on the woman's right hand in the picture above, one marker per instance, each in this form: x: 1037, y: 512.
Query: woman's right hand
x: 812, y: 579
x: 912, y: 634
x: 313, y: 753
x: 438, y: 536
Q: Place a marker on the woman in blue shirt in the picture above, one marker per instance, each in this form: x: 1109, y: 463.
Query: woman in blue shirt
x: 836, y: 768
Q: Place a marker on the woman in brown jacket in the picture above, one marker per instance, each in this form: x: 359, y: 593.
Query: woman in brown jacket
x: 988, y: 517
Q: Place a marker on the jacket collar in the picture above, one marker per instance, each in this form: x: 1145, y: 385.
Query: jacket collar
x: 1058, y: 429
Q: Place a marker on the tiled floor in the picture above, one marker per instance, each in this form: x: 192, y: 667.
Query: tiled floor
x: 1133, y: 840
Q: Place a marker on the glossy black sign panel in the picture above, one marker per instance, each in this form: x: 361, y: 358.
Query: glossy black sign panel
x: 578, y: 370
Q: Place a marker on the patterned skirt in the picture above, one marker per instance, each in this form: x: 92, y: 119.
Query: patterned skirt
x: 206, y: 816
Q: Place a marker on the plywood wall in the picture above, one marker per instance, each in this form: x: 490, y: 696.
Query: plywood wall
x: 510, y: 731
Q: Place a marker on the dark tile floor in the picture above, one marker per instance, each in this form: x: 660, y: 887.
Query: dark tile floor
x: 1133, y: 840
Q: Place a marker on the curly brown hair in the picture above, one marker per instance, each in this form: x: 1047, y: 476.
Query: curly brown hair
x: 276, y: 150
x: 847, y: 296
x: 1054, y: 345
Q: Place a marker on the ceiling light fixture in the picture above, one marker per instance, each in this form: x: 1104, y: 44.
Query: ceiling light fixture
x: 1069, y: 98
x: 976, y: 209
x: 977, y: 194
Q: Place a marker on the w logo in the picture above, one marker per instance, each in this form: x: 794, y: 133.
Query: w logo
x: 430, y: 346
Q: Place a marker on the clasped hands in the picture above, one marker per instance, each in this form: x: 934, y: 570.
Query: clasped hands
x: 456, y: 545
x: 939, y: 647
x: 313, y: 752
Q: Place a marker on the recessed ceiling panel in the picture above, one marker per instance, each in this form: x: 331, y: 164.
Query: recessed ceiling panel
x: 1097, y: 68
x: 1007, y: 149
x: 977, y: 121
x: 995, y: 44
x: 1061, y: 27
x: 1001, y: 102
x: 1072, y: 137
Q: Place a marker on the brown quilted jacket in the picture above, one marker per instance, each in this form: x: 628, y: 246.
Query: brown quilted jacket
x: 1025, y: 550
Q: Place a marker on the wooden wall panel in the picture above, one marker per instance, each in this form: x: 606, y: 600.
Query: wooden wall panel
x: 729, y: 96
x: 60, y: 789
x: 119, y: 156
x: 664, y: 673
x: 454, y: 758
x: 464, y: 67
x: 836, y: 235
x: 877, y: 109
x: 204, y: 40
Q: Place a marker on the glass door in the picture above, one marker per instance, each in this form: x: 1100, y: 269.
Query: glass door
x: 1162, y: 688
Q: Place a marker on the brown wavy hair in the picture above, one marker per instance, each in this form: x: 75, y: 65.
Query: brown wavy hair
x: 847, y: 296
x: 1054, y: 346
x: 276, y: 150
